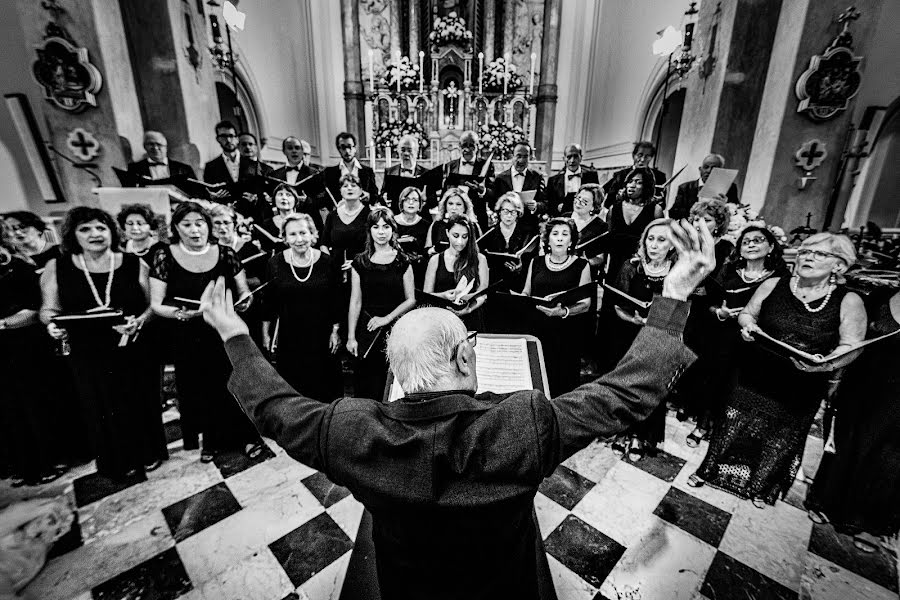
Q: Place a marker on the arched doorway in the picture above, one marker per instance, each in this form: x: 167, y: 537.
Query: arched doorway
x: 666, y: 129
x: 239, y: 108
x: 876, y: 196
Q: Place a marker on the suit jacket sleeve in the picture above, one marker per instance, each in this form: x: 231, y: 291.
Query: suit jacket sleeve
x: 679, y: 210
x: 297, y: 423
x: 732, y: 195
x: 628, y: 393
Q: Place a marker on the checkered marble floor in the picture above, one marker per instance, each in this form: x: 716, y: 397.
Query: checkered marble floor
x: 272, y: 529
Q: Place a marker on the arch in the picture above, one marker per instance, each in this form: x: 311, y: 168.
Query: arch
x: 651, y: 100
x: 247, y: 95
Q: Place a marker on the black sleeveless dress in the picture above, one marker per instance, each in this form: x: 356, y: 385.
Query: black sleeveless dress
x: 201, y: 366
x: 444, y: 280
x: 624, y: 237
x: 756, y: 450
x: 415, y: 248
x: 105, y: 374
x: 858, y: 487
x: 501, y: 311
x: 561, y: 339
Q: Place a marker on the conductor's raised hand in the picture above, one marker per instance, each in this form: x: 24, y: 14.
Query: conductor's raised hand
x: 217, y: 306
x: 696, y: 258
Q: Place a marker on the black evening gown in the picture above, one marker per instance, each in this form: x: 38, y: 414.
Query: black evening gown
x: 201, y: 366
x: 444, y: 281
x: 415, y: 249
x: 116, y: 410
x: 255, y: 271
x: 858, y: 487
x: 624, y: 237
x: 756, y: 449
x: 28, y: 406
x: 636, y: 283
x: 345, y: 241
x: 500, y: 310
x: 382, y: 291
x: 303, y: 300
x: 561, y: 339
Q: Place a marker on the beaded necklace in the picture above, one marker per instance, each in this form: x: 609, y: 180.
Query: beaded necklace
x: 831, y: 288
x: 308, y: 264
x: 109, y: 281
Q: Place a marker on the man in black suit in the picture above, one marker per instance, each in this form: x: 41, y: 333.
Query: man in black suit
x: 688, y: 192
x: 408, y: 166
x: 254, y: 203
x: 642, y: 154
x: 519, y: 178
x: 346, y: 145
x: 562, y: 187
x: 228, y: 166
x: 449, y: 477
x: 469, y: 164
x: 297, y: 167
x: 157, y: 165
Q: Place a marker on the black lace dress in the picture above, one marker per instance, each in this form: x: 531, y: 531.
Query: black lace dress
x: 303, y: 301
x: 201, y: 366
x: 445, y: 280
x: 344, y: 241
x: 501, y: 311
x: 118, y: 414
x: 756, y: 449
x: 858, y: 487
x: 561, y: 339
x: 415, y: 248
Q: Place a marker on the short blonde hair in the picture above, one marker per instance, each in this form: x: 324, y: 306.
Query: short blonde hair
x: 839, y: 245
x: 514, y: 199
x: 301, y: 217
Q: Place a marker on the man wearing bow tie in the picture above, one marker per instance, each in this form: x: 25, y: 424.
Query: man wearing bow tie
x: 519, y: 178
x: 642, y: 154
x: 157, y: 165
x: 408, y: 167
x: 469, y: 164
x: 254, y: 201
x: 346, y: 145
x: 562, y: 187
x: 296, y: 168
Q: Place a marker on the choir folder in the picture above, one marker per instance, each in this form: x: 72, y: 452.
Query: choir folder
x: 625, y: 301
x: 564, y: 298
x: 785, y: 350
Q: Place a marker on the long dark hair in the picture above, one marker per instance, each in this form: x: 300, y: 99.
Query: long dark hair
x: 467, y: 262
x: 773, y: 262
x: 647, y: 180
x: 379, y: 213
x: 85, y: 214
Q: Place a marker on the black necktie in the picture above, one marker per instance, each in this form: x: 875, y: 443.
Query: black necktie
x: 153, y: 163
x: 297, y: 169
x: 402, y: 171
x: 574, y: 175
x: 470, y: 164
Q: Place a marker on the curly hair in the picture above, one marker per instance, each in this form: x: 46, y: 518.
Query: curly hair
x: 85, y: 214
x: 716, y: 209
x: 182, y: 211
x: 548, y: 226
x: 648, y: 183
x: 463, y: 194
x: 774, y: 260
x: 142, y: 210
x: 596, y: 191
x: 467, y: 261
x: 27, y: 219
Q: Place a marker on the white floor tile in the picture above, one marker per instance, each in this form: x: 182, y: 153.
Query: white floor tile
x: 824, y: 580
x: 593, y: 462
x: 549, y: 514
x: 258, y: 577
x: 347, y: 514
x: 711, y: 495
x: 327, y: 583
x: 568, y: 585
x: 267, y: 479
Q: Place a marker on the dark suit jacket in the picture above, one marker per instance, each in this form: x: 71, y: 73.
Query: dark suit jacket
x: 176, y: 169
x: 333, y: 183
x: 687, y: 196
x: 617, y: 182
x: 259, y: 209
x: 395, y: 171
x: 557, y: 202
x: 215, y: 171
x: 533, y: 181
x: 449, y: 477
x: 479, y: 203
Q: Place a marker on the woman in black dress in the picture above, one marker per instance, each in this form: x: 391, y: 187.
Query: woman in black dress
x: 27, y: 447
x: 642, y: 278
x: 91, y: 275
x: 757, y: 257
x: 858, y: 486
x: 629, y: 216
x: 560, y: 328
x: 302, y: 313
x: 455, y: 201
x: 382, y: 290
x: 460, y: 260
x: 412, y: 231
x: 586, y: 206
x: 29, y: 235
x: 178, y: 275
x: 756, y: 450
x: 286, y: 202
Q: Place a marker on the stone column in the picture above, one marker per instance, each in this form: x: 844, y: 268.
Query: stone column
x: 394, y: 17
x: 490, y: 15
x: 414, y: 31
x: 354, y: 95
x: 546, y: 91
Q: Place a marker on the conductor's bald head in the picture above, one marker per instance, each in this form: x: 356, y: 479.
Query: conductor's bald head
x: 428, y: 352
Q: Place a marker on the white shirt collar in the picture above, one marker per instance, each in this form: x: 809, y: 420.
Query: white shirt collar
x: 235, y: 157
x: 354, y: 167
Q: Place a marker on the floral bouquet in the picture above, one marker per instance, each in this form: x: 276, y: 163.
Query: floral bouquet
x: 742, y: 216
x: 495, y: 74
x: 407, y: 71
x: 450, y: 30
x: 500, y: 139
x: 389, y: 133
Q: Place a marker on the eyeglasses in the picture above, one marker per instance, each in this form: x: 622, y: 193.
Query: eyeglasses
x: 471, y: 337
x: 818, y: 255
x: 467, y: 144
x: 753, y: 240
x: 508, y: 211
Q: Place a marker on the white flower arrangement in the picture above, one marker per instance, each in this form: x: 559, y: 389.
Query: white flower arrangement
x: 500, y: 139
x: 495, y: 74
x: 742, y: 216
x: 449, y: 30
x: 406, y: 70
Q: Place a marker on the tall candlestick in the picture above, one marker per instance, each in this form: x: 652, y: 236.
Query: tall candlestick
x: 506, y: 60
x: 480, y: 72
x: 421, y: 71
x: 531, y: 84
x: 372, y: 71
x: 397, y: 63
x: 387, y: 156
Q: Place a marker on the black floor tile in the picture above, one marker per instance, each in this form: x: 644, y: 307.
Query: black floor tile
x: 661, y: 464
x: 700, y: 519
x: 68, y: 542
x: 327, y: 493
x: 729, y: 579
x: 310, y: 548
x: 161, y: 578
x: 173, y: 430
x: 566, y: 487
x: 196, y: 513
x: 878, y: 566
x: 232, y: 463
x: 93, y: 487
x: 584, y: 550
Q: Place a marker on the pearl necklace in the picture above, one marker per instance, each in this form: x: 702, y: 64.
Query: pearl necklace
x: 661, y: 271
x: 555, y: 266
x: 109, y: 281
x: 831, y: 288
x: 187, y: 250
x: 747, y: 279
x: 129, y: 247
x: 308, y: 264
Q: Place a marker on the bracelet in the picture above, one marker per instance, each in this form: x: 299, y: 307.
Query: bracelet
x: 566, y: 316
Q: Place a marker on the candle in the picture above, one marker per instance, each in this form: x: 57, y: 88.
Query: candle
x: 372, y: 71
x: 397, y: 63
x: 480, y: 72
x: 421, y: 71
x: 372, y: 156
x: 387, y: 156
x: 506, y: 72
x: 531, y: 85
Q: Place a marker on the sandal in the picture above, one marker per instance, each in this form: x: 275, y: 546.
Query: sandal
x: 864, y: 545
x: 694, y: 438
x: 817, y: 517
x: 636, y: 450
x: 207, y: 456
x: 50, y: 477
x: 253, y: 450
x: 17, y: 482
x: 619, y: 446
x: 758, y: 503
x: 696, y: 481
